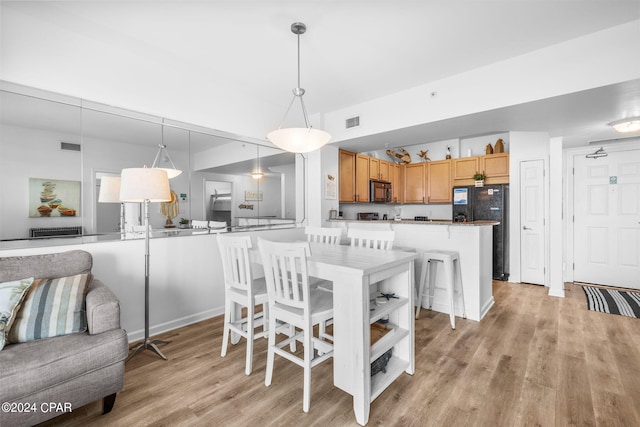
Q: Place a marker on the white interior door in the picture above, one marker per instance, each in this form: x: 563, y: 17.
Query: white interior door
x: 607, y: 219
x: 532, y: 223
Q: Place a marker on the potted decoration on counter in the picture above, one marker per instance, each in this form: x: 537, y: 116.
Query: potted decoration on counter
x: 184, y: 223
x: 479, y: 178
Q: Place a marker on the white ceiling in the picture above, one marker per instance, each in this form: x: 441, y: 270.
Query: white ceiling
x: 353, y: 51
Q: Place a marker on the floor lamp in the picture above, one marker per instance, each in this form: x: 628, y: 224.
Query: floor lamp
x: 145, y: 185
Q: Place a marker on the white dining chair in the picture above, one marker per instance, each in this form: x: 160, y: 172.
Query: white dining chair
x: 195, y: 223
x: 376, y: 239
x: 218, y: 226
x: 293, y: 302
x: 243, y: 289
x: 330, y: 236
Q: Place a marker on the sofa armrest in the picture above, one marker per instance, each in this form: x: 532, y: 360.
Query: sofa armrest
x: 103, y: 308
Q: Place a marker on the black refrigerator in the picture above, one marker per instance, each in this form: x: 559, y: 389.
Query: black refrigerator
x: 490, y: 202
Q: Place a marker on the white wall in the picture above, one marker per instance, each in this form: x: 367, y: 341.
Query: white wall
x: 186, y: 280
x: 586, y: 62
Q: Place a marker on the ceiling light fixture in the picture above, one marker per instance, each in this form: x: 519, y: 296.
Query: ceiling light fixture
x: 298, y: 140
x: 630, y: 124
x: 257, y: 175
x: 163, y: 156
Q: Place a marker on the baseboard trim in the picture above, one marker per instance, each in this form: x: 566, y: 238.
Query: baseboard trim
x: 556, y: 292
x: 175, y: 324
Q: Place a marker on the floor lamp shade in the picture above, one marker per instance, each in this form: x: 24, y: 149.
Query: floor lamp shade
x: 109, y: 189
x: 144, y: 184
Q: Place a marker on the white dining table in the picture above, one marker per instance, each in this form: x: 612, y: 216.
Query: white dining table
x: 353, y: 271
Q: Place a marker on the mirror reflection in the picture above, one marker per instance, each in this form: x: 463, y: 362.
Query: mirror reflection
x: 57, y: 159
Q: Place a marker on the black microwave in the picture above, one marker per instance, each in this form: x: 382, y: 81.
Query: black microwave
x: 380, y: 192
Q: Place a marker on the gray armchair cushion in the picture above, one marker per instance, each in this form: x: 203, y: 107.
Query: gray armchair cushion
x: 103, y: 308
x: 49, y: 266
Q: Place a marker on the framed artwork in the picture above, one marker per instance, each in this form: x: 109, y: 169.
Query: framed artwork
x: 330, y: 186
x: 53, y: 198
x: 253, y: 196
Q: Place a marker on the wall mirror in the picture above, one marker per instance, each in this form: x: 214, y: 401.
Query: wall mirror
x: 55, y: 152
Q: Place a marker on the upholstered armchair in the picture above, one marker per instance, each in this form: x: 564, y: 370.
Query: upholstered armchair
x: 71, y: 369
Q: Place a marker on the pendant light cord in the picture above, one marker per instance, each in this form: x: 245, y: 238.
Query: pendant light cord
x: 297, y: 93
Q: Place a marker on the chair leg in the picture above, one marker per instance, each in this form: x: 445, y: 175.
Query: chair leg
x: 270, y: 353
x: 250, y: 332
x: 292, y: 332
x: 423, y: 276
x: 448, y: 273
x: 459, y: 276
x: 265, y: 317
x: 308, y: 356
x: 432, y: 270
x: 108, y: 402
x: 225, y: 330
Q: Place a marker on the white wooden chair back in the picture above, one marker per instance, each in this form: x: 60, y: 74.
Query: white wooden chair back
x: 330, y: 236
x: 236, y: 263
x: 285, y: 271
x: 376, y: 239
x: 199, y: 224
x: 218, y: 226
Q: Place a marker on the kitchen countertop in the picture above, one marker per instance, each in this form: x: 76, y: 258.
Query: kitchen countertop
x: 429, y: 222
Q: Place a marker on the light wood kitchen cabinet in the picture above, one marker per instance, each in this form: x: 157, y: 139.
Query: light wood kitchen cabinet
x: 347, y: 176
x: 362, y: 178
x: 465, y: 167
x: 385, y: 174
x: 496, y: 165
x: 438, y: 181
x: 396, y: 178
x: 414, y: 183
x: 374, y: 168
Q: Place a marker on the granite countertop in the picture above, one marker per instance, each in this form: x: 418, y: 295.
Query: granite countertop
x: 429, y: 222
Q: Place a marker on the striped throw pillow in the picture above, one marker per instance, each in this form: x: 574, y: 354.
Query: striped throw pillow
x: 11, y: 296
x: 52, y: 307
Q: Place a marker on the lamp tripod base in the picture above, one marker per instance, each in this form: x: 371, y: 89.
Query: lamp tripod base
x: 148, y: 344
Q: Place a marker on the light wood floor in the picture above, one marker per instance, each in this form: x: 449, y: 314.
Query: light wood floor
x: 534, y: 360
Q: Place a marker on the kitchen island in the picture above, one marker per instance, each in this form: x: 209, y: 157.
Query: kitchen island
x: 472, y: 240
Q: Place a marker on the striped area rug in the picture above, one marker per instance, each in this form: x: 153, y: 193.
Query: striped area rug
x: 613, y: 301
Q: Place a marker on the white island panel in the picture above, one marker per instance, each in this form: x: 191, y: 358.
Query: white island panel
x: 473, y: 241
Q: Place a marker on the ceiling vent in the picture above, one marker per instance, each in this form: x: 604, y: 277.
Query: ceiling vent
x: 352, y: 122
x: 69, y: 146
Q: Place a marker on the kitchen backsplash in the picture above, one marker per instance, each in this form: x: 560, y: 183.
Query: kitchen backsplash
x: 350, y: 210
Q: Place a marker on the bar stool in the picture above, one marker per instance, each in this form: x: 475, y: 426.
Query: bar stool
x: 453, y: 275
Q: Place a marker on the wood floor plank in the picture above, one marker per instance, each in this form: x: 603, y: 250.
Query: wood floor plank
x: 534, y: 360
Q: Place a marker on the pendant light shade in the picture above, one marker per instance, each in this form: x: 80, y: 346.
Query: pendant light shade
x: 298, y: 140
x: 162, y: 155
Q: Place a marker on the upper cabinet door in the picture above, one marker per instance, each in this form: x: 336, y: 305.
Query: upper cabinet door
x: 495, y: 165
x: 414, y: 183
x: 362, y: 178
x: 374, y: 168
x: 465, y: 167
x: 385, y: 174
x: 439, y: 181
x: 347, y: 176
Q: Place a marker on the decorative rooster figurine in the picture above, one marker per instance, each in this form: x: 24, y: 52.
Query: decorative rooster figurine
x: 423, y: 155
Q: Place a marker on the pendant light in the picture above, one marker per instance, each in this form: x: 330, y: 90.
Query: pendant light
x: 298, y: 140
x: 162, y: 155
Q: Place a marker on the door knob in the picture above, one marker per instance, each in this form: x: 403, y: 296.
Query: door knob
x: 524, y: 227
